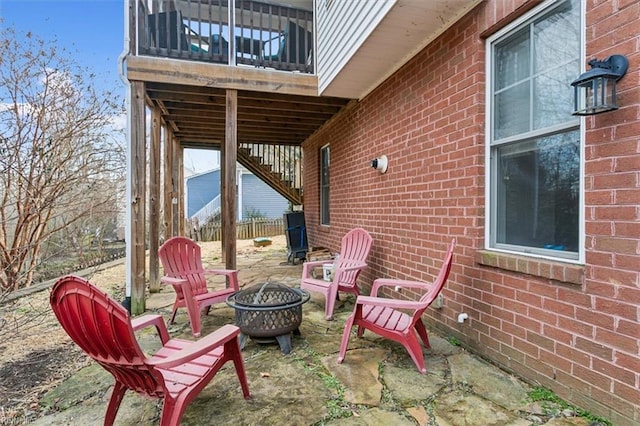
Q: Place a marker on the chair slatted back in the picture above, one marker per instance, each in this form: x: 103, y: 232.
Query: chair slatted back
x: 102, y: 329
x: 180, y: 258
x: 355, y: 246
x: 428, y: 298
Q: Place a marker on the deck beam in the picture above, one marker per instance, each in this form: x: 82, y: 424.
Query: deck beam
x: 191, y: 73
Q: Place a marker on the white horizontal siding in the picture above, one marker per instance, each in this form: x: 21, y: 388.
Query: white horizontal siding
x: 342, y: 27
x: 260, y: 198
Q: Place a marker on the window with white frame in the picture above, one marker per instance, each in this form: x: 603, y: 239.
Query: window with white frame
x: 324, y: 185
x: 534, y: 147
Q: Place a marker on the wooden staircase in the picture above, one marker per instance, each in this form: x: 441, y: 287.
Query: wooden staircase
x: 280, y: 166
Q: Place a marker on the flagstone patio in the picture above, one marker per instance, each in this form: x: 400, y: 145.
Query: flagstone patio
x: 376, y: 385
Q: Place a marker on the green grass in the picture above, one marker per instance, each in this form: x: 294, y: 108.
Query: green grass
x: 337, y: 407
x: 544, y: 395
x: 23, y: 310
x: 453, y: 340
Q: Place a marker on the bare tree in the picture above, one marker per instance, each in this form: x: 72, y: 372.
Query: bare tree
x: 60, y: 159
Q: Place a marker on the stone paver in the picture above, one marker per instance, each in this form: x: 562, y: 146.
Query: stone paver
x: 359, y: 375
x: 374, y: 417
x: 134, y: 411
x: 488, y: 381
x: 419, y: 414
x: 377, y: 384
x: 459, y: 408
x: 423, y: 387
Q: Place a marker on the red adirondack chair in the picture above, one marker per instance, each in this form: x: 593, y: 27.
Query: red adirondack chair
x: 354, y: 250
x: 182, y: 264
x: 176, y: 373
x: 389, y: 318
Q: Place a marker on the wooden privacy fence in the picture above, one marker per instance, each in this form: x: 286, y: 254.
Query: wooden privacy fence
x: 245, y: 230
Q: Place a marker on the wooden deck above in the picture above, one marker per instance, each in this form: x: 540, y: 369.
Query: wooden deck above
x: 273, y: 107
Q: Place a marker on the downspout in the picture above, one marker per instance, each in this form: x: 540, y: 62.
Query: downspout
x: 122, y: 72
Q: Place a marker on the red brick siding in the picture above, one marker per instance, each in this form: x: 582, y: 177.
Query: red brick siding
x: 612, y: 217
x: 569, y: 327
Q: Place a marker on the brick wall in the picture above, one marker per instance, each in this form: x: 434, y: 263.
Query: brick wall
x: 571, y: 328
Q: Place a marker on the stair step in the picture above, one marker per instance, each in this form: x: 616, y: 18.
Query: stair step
x: 266, y: 172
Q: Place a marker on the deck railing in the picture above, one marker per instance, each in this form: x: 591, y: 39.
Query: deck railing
x: 284, y: 160
x: 231, y: 32
x: 280, y: 166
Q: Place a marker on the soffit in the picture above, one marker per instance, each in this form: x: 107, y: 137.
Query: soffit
x: 408, y: 27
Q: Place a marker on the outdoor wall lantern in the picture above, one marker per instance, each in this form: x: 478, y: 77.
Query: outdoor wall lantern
x: 380, y: 164
x: 595, y: 90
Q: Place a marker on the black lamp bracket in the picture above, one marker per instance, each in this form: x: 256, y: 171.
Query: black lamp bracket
x: 617, y: 64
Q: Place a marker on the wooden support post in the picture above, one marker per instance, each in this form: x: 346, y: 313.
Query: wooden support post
x: 180, y: 190
x: 229, y: 179
x: 176, y: 185
x: 168, y: 183
x: 138, y: 198
x: 154, y: 201
x: 223, y: 206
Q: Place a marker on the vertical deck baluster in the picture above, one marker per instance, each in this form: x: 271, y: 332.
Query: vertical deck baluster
x: 177, y: 30
x: 251, y: 28
x: 279, y: 159
x: 200, y: 53
x: 289, y: 170
x: 270, y: 32
x: 261, y: 25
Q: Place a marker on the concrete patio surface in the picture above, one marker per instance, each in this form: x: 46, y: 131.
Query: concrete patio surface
x: 377, y: 384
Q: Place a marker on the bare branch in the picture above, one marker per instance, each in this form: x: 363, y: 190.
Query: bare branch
x: 61, y: 161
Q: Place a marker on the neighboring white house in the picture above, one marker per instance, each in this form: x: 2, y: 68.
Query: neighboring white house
x: 255, y: 198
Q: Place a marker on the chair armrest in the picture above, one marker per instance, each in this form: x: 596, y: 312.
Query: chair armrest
x: 307, y: 267
x: 353, y: 265
x: 173, y: 281
x: 388, y: 303
x: 221, y: 271
x: 232, y: 274
x: 388, y: 282
x: 198, y: 348
x: 151, y: 320
x: 180, y: 284
x: 315, y: 263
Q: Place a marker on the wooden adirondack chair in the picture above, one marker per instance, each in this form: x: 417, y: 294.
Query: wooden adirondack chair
x: 354, y: 250
x: 176, y: 373
x: 182, y: 264
x: 389, y: 318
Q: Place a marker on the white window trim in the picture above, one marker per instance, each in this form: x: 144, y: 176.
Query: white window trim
x: 488, y: 133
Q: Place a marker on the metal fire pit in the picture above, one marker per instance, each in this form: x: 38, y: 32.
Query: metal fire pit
x: 267, y: 311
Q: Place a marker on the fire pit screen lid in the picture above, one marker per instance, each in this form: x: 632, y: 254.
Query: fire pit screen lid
x: 268, y: 296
